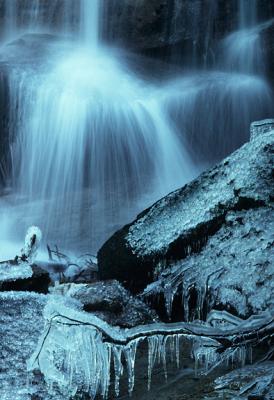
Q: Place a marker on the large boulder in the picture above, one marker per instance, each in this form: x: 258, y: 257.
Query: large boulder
x: 218, y: 224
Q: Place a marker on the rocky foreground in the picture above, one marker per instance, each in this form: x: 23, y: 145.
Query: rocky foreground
x: 203, y: 256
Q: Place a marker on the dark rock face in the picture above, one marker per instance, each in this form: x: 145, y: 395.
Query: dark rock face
x: 111, y: 302
x: 38, y: 282
x: 139, y: 24
x: 193, y: 25
x: 220, y: 220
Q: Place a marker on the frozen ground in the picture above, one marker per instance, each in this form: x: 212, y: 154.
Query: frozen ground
x: 21, y: 323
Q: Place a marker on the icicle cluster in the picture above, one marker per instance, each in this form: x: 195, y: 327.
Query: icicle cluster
x: 76, y: 358
x: 77, y: 350
x: 183, y: 281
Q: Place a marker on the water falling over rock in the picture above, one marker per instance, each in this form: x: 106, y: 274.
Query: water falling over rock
x: 91, y: 141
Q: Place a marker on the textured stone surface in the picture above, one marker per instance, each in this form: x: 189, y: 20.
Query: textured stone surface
x: 234, y: 271
x: 21, y: 323
x: 110, y: 302
x: 253, y: 382
x: 221, y: 220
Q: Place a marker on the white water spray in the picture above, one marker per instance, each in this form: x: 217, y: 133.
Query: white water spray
x: 95, y: 144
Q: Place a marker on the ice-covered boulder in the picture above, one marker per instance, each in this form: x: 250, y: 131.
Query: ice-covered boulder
x: 221, y: 223
x: 109, y: 301
x: 23, y: 277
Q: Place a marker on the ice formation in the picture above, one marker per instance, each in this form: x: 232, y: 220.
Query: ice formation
x: 32, y: 241
x: 77, y: 349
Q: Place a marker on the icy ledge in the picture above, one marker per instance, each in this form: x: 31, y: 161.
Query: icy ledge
x: 14, y: 272
x: 76, y: 350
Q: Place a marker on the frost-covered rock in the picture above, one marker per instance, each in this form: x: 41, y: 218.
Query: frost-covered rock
x: 23, y: 277
x: 253, y: 382
x: 21, y: 323
x: 233, y: 271
x: 211, y: 234
x: 12, y: 272
x: 110, y: 302
x: 21, y: 274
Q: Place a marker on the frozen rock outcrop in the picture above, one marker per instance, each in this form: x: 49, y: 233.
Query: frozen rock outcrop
x: 24, y: 278
x: 219, y: 225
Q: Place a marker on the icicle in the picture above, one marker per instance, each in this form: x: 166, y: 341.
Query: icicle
x: 163, y: 354
x: 185, y: 302
x: 130, y: 354
x: 171, y: 347
x: 169, y: 293
x: 152, y: 355
x: 204, y: 353
x: 201, y: 294
x: 118, y: 367
x: 177, y: 350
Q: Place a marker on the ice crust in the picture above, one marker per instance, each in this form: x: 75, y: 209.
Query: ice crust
x: 77, y: 350
x: 224, y: 272
x: 10, y: 272
x: 177, y: 215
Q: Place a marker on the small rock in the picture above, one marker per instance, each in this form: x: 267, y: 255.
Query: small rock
x: 110, y: 301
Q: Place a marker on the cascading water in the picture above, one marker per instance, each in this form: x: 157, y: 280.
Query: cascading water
x: 242, y: 50
x: 92, y: 143
x: 94, y: 146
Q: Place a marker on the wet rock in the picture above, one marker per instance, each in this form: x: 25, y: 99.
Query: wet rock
x: 110, y: 302
x: 252, y: 382
x: 37, y: 281
x: 220, y: 220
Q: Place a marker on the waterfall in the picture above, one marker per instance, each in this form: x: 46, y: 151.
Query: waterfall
x: 247, y: 13
x: 93, y: 142
x: 89, y: 22
x: 54, y: 16
x: 242, y: 50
